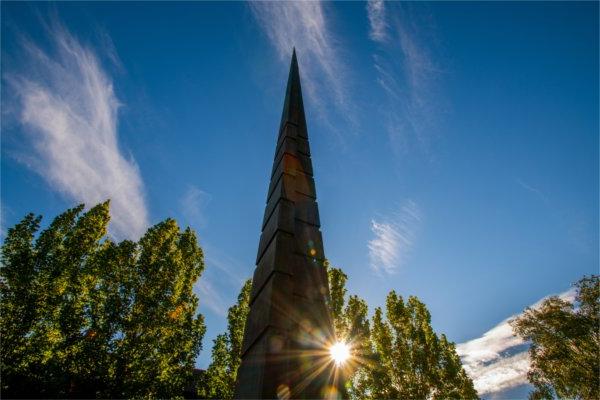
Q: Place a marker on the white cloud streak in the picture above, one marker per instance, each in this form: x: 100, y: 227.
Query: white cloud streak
x: 220, y: 276
x: 407, y: 72
x: 377, y: 20
x: 394, y: 238
x: 209, y: 297
x: 419, y: 67
x: 193, y: 205
x: 225, y: 265
x: 495, y: 361
x: 533, y: 190
x: 69, y: 110
x: 303, y: 24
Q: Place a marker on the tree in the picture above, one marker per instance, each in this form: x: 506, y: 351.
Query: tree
x: 565, y: 344
x: 351, y: 326
x: 412, y: 361
x: 397, y: 355
x: 83, y: 316
x: 219, y: 379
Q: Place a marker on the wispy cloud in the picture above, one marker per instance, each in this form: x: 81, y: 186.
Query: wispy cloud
x: 377, y: 20
x: 304, y: 25
x: 498, y: 360
x: 68, y: 107
x: 394, y: 238
x: 419, y: 67
x: 407, y: 72
x: 221, y: 275
x: 224, y: 265
x: 533, y: 190
x: 209, y: 297
x: 193, y: 205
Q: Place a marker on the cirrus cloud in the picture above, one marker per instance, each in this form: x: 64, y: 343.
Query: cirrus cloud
x: 377, y: 20
x: 305, y: 26
x: 68, y: 107
x: 408, y: 73
x: 394, y: 238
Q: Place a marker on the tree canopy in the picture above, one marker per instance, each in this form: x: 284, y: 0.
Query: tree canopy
x: 218, y: 382
x: 396, y: 355
x: 393, y: 356
x: 411, y: 360
x: 565, y: 344
x: 84, y: 316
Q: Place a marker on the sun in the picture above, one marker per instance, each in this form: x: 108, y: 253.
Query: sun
x: 339, y: 352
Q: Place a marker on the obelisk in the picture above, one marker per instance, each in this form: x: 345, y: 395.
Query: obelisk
x: 289, y: 330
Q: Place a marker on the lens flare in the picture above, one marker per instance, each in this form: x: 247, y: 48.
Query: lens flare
x: 340, y: 352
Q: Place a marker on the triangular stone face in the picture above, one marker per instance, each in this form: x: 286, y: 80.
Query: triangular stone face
x: 285, y: 351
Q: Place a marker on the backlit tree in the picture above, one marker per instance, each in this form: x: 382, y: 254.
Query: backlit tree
x: 84, y: 316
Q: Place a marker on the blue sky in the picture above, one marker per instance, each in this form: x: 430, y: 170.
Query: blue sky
x: 455, y: 145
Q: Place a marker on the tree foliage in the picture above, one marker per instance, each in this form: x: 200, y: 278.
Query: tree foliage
x: 219, y: 379
x: 351, y: 326
x: 565, y: 344
x: 84, y: 316
x: 412, y: 361
x: 396, y: 355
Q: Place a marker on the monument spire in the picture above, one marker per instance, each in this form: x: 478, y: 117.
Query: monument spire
x: 289, y: 330
x: 293, y: 108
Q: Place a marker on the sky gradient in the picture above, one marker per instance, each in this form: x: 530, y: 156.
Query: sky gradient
x: 455, y: 145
